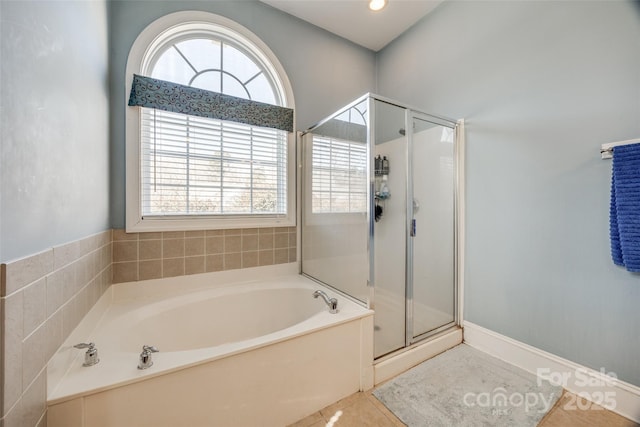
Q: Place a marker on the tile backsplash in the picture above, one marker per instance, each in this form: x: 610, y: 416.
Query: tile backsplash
x: 142, y: 256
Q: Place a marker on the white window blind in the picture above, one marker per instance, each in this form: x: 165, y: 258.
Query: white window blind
x: 200, y: 166
x: 339, y: 176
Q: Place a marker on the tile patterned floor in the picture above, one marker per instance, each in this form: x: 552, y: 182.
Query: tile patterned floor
x: 363, y: 410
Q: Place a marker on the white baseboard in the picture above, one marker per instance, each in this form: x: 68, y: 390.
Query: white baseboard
x: 595, y: 386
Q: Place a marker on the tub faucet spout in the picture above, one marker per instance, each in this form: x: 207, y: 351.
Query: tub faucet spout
x: 332, y: 303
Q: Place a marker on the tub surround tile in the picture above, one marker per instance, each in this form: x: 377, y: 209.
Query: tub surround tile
x: 281, y: 256
x: 105, y: 238
x: 194, y: 265
x: 214, y: 245
x: 149, y: 249
x: 125, y: 271
x: 119, y: 234
x: 292, y: 254
x: 172, y: 248
x: 232, y: 261
x: 34, y: 400
x: 265, y: 257
x: 79, y: 278
x: 13, y: 307
x: 249, y: 242
x: 65, y: 254
x: 265, y: 241
x: 233, y: 232
x: 33, y: 355
x: 125, y: 250
x: 194, y: 246
x: 20, y: 273
x: 61, y: 285
x: 172, y: 267
x: 2, y: 357
x: 173, y: 235
x: 45, y: 296
x: 50, y: 293
x: 35, y: 307
x: 3, y: 280
x: 15, y: 416
x: 194, y: 233
x: 232, y: 243
x: 55, y: 336
x: 151, y: 269
x: 54, y: 293
x: 69, y: 316
x: 210, y: 250
x: 214, y: 263
x: 281, y: 240
x: 150, y: 236
x: 249, y: 259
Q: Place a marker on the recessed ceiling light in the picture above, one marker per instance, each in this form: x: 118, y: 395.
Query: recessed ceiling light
x: 376, y: 5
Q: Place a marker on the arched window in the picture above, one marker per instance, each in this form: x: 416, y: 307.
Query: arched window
x: 187, y: 171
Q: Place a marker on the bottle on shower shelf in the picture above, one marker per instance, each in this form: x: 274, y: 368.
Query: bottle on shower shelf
x: 378, y: 166
x: 384, y: 189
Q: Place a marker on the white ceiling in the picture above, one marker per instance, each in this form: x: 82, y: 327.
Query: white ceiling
x: 353, y: 20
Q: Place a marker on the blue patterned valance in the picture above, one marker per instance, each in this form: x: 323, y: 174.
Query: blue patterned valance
x: 177, y: 98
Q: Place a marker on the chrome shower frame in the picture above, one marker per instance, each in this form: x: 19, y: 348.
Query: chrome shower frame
x: 411, y: 113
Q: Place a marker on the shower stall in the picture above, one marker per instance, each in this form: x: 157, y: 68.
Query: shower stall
x: 379, y: 216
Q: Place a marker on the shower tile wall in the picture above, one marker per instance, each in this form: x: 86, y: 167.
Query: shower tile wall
x: 142, y: 256
x: 43, y: 297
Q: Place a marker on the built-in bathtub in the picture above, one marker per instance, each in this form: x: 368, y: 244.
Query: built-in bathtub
x: 244, y: 347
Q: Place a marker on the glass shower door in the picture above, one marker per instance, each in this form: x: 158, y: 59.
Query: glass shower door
x: 390, y: 241
x: 431, y: 292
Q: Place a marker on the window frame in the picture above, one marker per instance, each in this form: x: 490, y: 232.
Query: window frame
x: 159, y: 33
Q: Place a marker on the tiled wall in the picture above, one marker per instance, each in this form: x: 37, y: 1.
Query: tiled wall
x: 141, y: 256
x: 42, y: 299
x: 45, y: 296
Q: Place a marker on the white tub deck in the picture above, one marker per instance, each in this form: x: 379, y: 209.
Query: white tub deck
x: 295, y: 359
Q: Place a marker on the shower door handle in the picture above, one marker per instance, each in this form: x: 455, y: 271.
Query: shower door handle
x: 413, y: 228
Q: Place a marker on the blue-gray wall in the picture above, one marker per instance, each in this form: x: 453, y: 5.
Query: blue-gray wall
x: 325, y: 71
x: 54, y: 124
x: 542, y: 85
